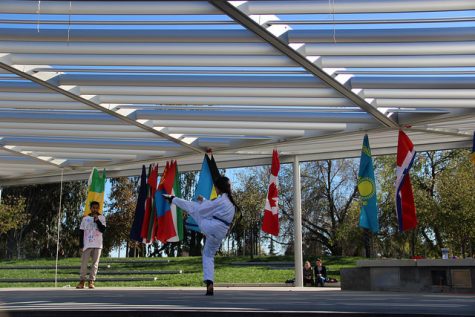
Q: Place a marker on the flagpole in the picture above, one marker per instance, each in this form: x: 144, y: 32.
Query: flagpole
x: 298, y: 259
x: 59, y: 224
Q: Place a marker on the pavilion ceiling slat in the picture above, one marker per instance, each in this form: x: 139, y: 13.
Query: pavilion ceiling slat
x: 349, y: 6
x: 254, y: 7
x: 106, y: 7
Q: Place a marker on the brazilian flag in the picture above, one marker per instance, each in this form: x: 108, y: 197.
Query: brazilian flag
x: 367, y: 190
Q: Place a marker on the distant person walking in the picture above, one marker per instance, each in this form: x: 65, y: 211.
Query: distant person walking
x: 214, y: 218
x: 90, y: 241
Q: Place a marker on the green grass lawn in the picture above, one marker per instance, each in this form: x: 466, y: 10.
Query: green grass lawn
x: 226, y: 270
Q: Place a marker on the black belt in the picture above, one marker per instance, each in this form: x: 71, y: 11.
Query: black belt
x: 223, y: 221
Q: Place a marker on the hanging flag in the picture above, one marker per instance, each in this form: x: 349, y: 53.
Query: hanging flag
x: 177, y: 212
x: 166, y: 227
x: 205, y: 187
x: 150, y: 216
x: 95, y: 190
x: 136, y: 228
x: 367, y: 190
x: 405, y: 207
x: 146, y: 217
x: 473, y: 148
x: 270, y: 221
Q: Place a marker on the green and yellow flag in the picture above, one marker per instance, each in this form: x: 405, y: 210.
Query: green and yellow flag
x: 95, y: 190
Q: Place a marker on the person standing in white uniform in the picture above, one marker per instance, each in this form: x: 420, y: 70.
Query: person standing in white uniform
x: 214, y: 218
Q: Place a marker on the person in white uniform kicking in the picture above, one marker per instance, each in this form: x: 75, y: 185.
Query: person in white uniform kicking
x: 214, y: 218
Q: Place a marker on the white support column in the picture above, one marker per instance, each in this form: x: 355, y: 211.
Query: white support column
x: 297, y: 225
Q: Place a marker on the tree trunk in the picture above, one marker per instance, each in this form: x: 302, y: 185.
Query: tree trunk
x: 11, y: 246
x: 252, y: 243
x: 367, y: 242
x: 413, y: 242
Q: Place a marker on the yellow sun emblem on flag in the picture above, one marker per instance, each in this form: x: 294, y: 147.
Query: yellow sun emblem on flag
x: 366, y: 187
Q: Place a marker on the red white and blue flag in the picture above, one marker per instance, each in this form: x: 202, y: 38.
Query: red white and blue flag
x: 405, y: 207
x: 270, y: 222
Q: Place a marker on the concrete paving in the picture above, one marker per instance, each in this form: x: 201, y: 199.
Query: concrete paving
x: 232, y: 301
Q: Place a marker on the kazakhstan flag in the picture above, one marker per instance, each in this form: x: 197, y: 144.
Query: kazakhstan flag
x: 367, y: 190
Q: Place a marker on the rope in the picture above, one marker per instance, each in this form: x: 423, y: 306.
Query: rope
x: 38, y: 9
x: 331, y: 4
x: 69, y: 21
x: 59, y: 224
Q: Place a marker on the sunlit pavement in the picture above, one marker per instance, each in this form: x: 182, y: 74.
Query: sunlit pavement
x: 228, y: 301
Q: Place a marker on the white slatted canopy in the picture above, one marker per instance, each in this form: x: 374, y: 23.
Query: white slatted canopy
x: 120, y: 84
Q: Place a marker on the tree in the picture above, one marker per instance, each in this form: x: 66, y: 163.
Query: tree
x: 192, y: 239
x: 13, y: 216
x: 443, y: 185
x: 328, y: 192
x: 38, y: 236
x: 120, y: 212
x: 251, y: 197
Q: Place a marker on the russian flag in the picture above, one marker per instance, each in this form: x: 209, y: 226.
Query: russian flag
x: 270, y: 221
x: 405, y: 207
x: 166, y: 226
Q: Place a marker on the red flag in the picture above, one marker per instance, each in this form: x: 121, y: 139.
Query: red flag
x: 405, y: 207
x: 270, y: 222
x: 166, y: 227
x: 150, y: 217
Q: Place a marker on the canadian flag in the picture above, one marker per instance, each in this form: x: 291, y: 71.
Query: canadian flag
x: 270, y: 222
x: 405, y: 207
